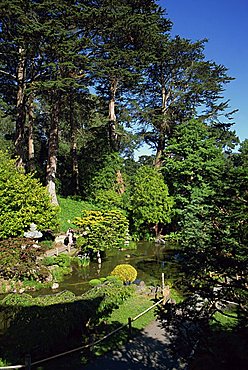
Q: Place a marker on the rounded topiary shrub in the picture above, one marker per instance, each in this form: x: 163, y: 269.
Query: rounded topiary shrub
x: 125, y: 272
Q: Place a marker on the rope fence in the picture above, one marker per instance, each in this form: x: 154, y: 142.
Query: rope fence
x: 28, y: 362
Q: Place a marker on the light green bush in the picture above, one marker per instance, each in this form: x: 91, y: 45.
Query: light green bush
x: 23, y: 200
x: 95, y: 282
x: 125, y: 272
x: 101, y: 230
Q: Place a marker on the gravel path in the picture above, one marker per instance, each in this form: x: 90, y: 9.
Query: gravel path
x: 149, y: 350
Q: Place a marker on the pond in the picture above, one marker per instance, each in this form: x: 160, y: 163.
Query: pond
x: 149, y: 259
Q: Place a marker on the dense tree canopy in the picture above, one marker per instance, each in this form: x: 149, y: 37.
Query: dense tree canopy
x: 61, y: 57
x: 193, y: 160
x: 83, y: 85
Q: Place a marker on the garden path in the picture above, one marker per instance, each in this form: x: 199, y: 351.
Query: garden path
x: 149, y: 350
x: 58, y: 250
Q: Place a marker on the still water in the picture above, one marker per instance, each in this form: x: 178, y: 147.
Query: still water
x: 149, y: 259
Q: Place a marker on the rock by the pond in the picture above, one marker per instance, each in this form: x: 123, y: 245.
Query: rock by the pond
x: 55, y: 286
x: 142, y: 284
x: 160, y: 240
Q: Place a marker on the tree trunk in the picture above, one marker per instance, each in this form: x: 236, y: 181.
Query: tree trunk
x: 74, y: 156
x: 20, y: 108
x: 164, y: 128
x: 53, y: 150
x: 31, y: 166
x: 159, y: 153
x: 120, y: 182
x: 113, y: 137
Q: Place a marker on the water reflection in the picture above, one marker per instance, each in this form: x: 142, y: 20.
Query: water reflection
x: 149, y: 259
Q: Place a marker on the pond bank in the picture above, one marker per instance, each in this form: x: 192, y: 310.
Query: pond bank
x: 149, y: 259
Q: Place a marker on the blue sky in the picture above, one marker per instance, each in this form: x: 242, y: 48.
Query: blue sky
x: 225, y: 24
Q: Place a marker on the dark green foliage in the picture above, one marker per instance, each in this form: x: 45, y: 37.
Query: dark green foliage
x: 213, y: 257
x: 6, y: 131
x: 180, y: 84
x: 101, y: 230
x: 193, y: 162
x: 50, y: 324
x: 106, y: 177
x: 210, y: 192
x: 62, y: 260
x: 61, y: 266
x: 113, y: 294
x: 120, y: 51
x: 23, y: 200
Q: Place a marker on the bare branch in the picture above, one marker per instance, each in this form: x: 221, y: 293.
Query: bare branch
x: 7, y: 73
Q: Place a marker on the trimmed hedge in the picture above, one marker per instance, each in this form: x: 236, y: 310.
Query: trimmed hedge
x: 125, y: 272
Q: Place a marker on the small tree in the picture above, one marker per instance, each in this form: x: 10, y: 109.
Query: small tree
x: 23, y: 200
x: 101, y: 230
x: 151, y: 205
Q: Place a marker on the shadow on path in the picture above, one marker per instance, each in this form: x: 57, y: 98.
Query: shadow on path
x: 149, y: 350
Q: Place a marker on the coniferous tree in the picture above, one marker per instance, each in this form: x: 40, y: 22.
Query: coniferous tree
x: 193, y: 160
x: 19, y: 64
x: 120, y: 52
x: 180, y: 84
x: 63, y: 61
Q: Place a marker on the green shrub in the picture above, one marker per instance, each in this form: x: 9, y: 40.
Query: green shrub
x: 23, y: 200
x: 108, y: 199
x: 4, y: 362
x: 101, y: 230
x: 106, y: 177
x: 58, y: 273
x: 62, y: 260
x: 48, y: 261
x: 125, y: 272
x: 95, y: 282
x: 150, y: 203
x: 81, y: 261
x: 114, y: 279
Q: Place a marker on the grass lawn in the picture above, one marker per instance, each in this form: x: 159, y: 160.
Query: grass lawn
x: 131, y: 308
x: 227, y: 323
x: 69, y: 209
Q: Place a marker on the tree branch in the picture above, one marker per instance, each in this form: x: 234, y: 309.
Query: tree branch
x: 7, y: 73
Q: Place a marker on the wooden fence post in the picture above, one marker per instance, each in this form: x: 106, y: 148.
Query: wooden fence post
x: 162, y: 281
x: 28, y: 362
x: 129, y: 327
x: 165, y: 290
